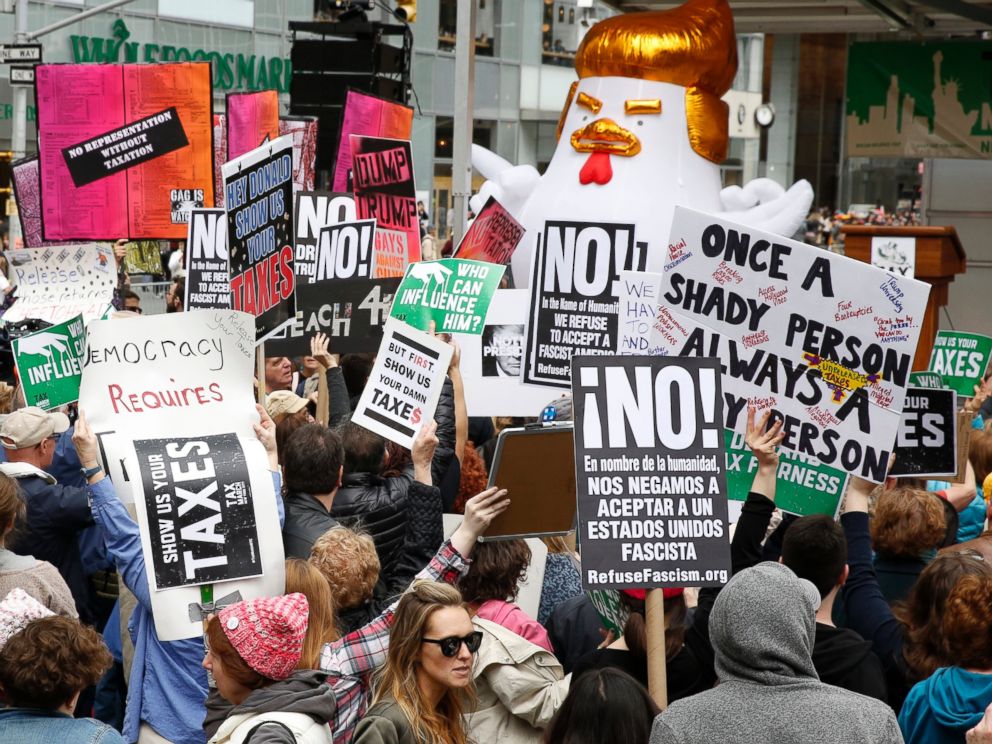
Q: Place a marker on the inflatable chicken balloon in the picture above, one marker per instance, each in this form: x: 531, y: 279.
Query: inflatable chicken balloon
x: 642, y: 130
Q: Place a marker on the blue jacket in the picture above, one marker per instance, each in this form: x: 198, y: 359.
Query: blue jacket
x: 940, y: 709
x: 32, y: 726
x: 168, y: 685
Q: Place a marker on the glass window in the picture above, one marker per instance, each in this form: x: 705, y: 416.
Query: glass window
x: 571, y: 16
x: 561, y: 14
x: 239, y: 13
x: 485, y: 26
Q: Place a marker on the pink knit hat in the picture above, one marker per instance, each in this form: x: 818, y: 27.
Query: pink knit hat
x: 268, y: 632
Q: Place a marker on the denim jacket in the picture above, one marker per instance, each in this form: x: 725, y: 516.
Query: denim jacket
x: 35, y: 726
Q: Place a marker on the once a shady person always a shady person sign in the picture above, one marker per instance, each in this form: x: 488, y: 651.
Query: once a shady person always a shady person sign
x: 49, y: 364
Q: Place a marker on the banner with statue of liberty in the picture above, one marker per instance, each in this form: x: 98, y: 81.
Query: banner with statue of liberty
x: 930, y: 100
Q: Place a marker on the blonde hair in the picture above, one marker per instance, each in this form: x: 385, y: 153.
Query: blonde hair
x: 12, y: 509
x: 322, y: 626
x: 398, y: 676
x: 348, y: 561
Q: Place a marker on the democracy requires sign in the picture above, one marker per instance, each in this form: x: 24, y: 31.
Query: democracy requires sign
x: 49, y: 364
x: 184, y: 377
x: 404, y: 386
x: 258, y: 197
x: 803, y: 485
x: 198, y: 510
x: 574, y: 295
x: 961, y: 359
x: 823, y: 341
x: 650, y: 480
x: 208, y: 282
x: 492, y: 236
x: 352, y: 312
x: 927, y: 441
x: 316, y: 210
x: 56, y: 284
x: 453, y: 293
x: 385, y: 191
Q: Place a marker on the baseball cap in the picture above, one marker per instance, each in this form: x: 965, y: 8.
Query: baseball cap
x: 29, y: 426
x: 283, y: 403
x: 559, y: 409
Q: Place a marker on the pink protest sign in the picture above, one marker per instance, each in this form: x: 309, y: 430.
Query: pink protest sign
x: 371, y: 116
x: 304, y: 131
x: 251, y: 118
x: 26, y: 181
x: 492, y: 237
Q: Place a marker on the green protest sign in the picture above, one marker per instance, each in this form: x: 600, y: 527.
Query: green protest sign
x: 960, y: 359
x: 453, y: 292
x: 804, y: 485
x: 49, y: 364
x: 930, y: 380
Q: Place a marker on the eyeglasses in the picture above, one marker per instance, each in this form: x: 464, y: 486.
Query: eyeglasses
x: 451, y: 645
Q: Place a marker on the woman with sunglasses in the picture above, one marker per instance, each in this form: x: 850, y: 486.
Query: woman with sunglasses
x: 426, y: 683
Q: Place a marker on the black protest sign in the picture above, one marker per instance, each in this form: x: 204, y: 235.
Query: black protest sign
x: 345, y: 250
x: 650, y: 472
x: 352, y: 312
x: 124, y: 147
x: 926, y: 443
x: 198, y: 505
x: 258, y: 193
x: 208, y: 282
x: 574, y: 295
x: 315, y: 210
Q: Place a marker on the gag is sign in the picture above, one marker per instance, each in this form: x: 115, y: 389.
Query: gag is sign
x: 208, y: 267
x: 405, y: 383
x: 823, y: 341
x: 574, y: 295
x: 649, y: 459
x: 927, y: 442
x: 961, y: 359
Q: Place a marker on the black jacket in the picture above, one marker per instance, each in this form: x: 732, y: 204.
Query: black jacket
x: 306, y: 520
x: 378, y: 505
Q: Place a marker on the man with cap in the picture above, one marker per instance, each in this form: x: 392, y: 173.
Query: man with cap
x: 56, y: 514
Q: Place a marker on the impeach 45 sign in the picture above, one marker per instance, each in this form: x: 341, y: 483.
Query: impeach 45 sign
x: 960, y: 359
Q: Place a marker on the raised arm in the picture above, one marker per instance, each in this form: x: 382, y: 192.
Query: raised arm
x: 745, y: 549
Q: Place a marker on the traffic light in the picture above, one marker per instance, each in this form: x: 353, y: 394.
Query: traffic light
x: 406, y: 11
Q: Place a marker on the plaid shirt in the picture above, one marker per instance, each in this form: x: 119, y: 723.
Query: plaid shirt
x: 350, y: 660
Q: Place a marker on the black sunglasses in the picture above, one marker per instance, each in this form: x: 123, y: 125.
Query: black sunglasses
x: 449, y: 646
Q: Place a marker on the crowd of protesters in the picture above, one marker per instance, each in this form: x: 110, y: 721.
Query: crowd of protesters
x: 872, y: 627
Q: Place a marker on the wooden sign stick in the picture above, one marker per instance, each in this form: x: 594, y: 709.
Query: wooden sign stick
x: 654, y: 619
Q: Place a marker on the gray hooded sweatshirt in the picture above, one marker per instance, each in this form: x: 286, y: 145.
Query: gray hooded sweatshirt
x: 762, y: 629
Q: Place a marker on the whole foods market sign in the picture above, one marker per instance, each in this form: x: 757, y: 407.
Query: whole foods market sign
x: 230, y: 71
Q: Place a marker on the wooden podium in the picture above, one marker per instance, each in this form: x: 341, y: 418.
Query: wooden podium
x: 939, y: 256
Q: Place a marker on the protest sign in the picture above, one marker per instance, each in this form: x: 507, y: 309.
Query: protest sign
x: 258, y: 197
x: 208, y: 268
x: 961, y: 359
x: 185, y: 378
x: 895, y: 255
x: 137, y: 137
x: 251, y: 119
x: 492, y: 363
x: 453, y: 293
x: 200, y: 519
x: 574, y: 295
x: 25, y: 179
x: 492, y: 236
x: 58, y: 283
x: 385, y: 191
x: 926, y: 380
x: 316, y: 210
x: 639, y: 297
x: 371, y: 116
x: 927, y: 441
x: 303, y: 130
x: 803, y: 485
x: 650, y: 480
x: 404, y: 386
x: 352, y: 312
x: 829, y: 355
x: 49, y: 364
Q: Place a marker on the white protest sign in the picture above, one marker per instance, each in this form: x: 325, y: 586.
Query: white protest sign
x: 208, y: 267
x: 897, y: 255
x: 825, y: 341
x: 316, y: 210
x: 404, y: 386
x: 58, y: 283
x: 492, y: 363
x: 639, y: 304
x: 170, y: 398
